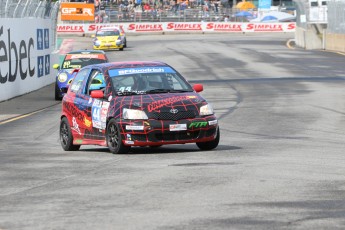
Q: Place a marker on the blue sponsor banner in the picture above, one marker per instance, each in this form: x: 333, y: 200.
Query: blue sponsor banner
x: 40, y: 66
x: 46, y: 38
x: 128, y: 71
x: 39, y: 39
x: 264, y: 4
x: 47, y: 64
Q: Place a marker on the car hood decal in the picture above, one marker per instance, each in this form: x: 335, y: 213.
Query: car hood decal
x: 159, y: 102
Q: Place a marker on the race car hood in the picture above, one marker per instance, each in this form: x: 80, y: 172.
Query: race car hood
x: 107, y: 38
x: 162, y: 102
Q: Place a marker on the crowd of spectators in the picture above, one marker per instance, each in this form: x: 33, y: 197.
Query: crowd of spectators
x: 154, y: 9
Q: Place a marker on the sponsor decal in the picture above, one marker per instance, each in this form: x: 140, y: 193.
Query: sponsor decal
x: 143, y: 27
x: 214, y: 122
x: 96, y: 114
x: 87, y: 122
x: 76, y: 56
x: 164, y: 102
x: 74, y: 111
x: 75, y: 126
x: 264, y: 27
x: 134, y: 127
x: 184, y: 26
x: 78, y: 141
x: 197, y: 124
x: 177, y: 127
x: 17, y: 56
x: 224, y: 27
x: 118, y: 72
x: 129, y: 142
x: 104, y: 112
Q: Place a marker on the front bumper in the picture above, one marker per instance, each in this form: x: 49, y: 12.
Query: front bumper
x: 161, y: 132
x: 108, y: 46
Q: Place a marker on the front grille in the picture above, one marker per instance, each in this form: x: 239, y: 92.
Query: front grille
x: 177, y: 136
x: 171, y: 116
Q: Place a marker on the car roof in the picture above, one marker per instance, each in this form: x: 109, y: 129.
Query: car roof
x: 86, y: 52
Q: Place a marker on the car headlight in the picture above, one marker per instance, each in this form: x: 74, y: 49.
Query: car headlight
x: 97, y: 42
x: 134, y: 114
x: 62, y: 77
x: 206, y: 110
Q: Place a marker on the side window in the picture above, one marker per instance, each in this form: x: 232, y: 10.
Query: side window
x: 96, y: 82
x: 77, y: 83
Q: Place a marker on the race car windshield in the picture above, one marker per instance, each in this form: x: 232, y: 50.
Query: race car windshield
x: 108, y: 33
x: 81, y: 62
x: 149, y: 83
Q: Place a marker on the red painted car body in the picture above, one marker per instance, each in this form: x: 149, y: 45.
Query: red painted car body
x: 137, y: 104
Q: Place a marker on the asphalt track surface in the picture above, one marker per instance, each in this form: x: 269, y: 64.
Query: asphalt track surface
x: 280, y: 163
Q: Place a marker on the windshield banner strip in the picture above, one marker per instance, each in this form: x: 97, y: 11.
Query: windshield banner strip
x: 121, y: 72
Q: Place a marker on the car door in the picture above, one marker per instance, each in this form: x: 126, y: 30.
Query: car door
x: 73, y: 103
x: 97, y: 108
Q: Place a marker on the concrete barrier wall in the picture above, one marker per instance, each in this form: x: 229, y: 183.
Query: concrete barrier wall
x: 335, y: 42
x: 26, y: 52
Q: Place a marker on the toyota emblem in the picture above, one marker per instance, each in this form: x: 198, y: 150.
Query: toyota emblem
x: 174, y: 111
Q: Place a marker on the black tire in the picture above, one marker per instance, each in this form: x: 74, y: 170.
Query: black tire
x: 57, y: 93
x: 209, y: 145
x: 66, y: 138
x: 114, y: 139
x: 121, y: 49
x: 125, y: 45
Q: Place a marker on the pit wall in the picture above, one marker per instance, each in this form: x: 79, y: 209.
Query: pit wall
x: 26, y: 54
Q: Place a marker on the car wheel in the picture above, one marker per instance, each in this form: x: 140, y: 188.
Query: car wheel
x: 209, y: 145
x: 125, y: 45
x: 114, y: 139
x: 66, y: 138
x: 57, y: 93
x: 121, y: 49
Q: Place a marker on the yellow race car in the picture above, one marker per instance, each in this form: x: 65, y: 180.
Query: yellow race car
x: 108, y: 39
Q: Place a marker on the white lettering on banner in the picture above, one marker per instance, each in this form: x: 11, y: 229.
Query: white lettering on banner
x: 230, y: 27
x: 61, y: 28
x: 184, y: 26
x: 73, y: 11
x: 145, y: 27
x: 265, y: 27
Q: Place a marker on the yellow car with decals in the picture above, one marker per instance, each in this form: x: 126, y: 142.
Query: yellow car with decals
x: 108, y: 39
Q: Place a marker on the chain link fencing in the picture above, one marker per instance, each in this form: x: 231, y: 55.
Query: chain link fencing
x: 336, y: 17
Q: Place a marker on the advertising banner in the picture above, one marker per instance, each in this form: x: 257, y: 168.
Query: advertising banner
x: 77, y: 11
x: 178, y: 27
x: 26, y: 56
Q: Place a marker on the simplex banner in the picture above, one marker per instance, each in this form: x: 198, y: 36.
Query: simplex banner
x: 163, y: 27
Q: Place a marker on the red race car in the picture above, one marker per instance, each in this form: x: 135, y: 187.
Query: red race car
x: 125, y: 104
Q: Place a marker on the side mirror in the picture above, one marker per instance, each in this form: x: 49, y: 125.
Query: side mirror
x: 198, y: 87
x: 97, y: 94
x: 56, y: 66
